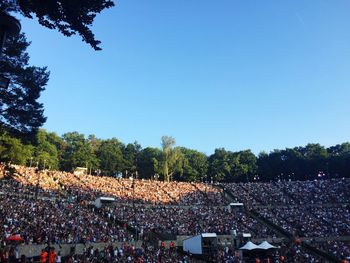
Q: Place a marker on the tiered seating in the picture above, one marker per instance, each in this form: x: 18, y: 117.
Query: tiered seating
x: 55, y: 206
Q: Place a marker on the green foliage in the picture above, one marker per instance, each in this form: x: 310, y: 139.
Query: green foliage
x: 68, y: 17
x: 298, y: 163
x: 219, y: 165
x: 46, y: 152
x: 338, y: 162
x: 111, y: 156
x: 171, y: 158
x: 78, y: 152
x: 245, y: 166
x: 232, y: 166
x: 130, y: 153
x: 20, y: 111
x: 13, y: 150
x: 194, y: 166
x: 149, y: 166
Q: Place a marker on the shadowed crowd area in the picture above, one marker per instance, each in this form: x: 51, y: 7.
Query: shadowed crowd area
x: 57, y: 208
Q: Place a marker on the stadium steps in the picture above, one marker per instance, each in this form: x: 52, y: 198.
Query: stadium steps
x: 255, y: 215
x: 316, y: 251
x: 223, y: 194
x: 289, y: 195
x: 279, y: 230
x: 129, y: 228
x: 132, y: 230
x: 202, y: 193
x: 228, y: 195
x: 258, y: 199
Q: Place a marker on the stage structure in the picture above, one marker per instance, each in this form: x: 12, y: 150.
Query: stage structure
x: 202, y: 244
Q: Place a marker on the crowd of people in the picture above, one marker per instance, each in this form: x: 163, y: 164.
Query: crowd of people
x: 339, y: 249
x: 289, y: 193
x: 127, y: 253
x: 128, y: 190
x: 306, y: 221
x: 53, y: 206
x: 56, y: 221
x: 180, y: 220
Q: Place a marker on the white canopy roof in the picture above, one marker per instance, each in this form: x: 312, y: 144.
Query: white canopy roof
x: 208, y: 234
x: 103, y: 198
x: 249, y: 246
x: 236, y: 204
x: 266, y: 245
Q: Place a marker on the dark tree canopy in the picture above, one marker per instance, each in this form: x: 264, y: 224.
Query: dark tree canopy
x: 20, y: 111
x: 67, y: 16
x: 111, y: 157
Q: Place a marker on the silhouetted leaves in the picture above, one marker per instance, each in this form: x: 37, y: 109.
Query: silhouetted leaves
x: 67, y: 16
x: 20, y: 111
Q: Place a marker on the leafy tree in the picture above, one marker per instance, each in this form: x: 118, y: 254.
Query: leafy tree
x: 175, y: 164
x: 315, y: 160
x: 232, y: 166
x: 149, y: 163
x: 68, y: 17
x: 78, y: 152
x: 130, y: 153
x: 195, y: 165
x: 94, y: 142
x: 292, y: 164
x: 13, y: 150
x: 46, y: 153
x: 219, y: 165
x: 20, y: 111
x: 265, y: 171
x: 338, y: 163
x: 245, y: 166
x: 281, y: 165
x: 171, y: 157
x: 111, y: 157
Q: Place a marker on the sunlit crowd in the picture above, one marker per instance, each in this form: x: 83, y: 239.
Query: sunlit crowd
x: 57, y: 207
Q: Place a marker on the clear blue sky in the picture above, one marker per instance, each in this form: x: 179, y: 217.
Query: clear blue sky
x: 241, y: 74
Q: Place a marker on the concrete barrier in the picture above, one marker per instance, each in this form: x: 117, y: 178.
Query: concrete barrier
x: 35, y: 250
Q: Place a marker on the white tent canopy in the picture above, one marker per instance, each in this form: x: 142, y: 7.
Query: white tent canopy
x: 249, y: 246
x: 266, y: 245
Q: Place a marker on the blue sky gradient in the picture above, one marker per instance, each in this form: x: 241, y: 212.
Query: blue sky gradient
x: 242, y: 74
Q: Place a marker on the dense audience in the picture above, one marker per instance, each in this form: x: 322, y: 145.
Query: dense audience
x: 90, y: 187
x: 41, y: 221
x: 287, y: 193
x: 55, y: 207
x: 310, y: 221
x: 337, y: 248
x: 128, y: 253
x: 179, y: 220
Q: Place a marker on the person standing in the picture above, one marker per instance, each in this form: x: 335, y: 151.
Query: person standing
x: 59, y: 259
x: 52, y: 255
x: 43, y: 256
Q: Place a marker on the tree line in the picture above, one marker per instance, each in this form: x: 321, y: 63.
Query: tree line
x: 112, y: 157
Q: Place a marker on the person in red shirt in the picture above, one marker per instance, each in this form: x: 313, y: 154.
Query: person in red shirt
x: 52, y: 255
x: 163, y: 245
x: 43, y: 256
x: 172, y: 246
